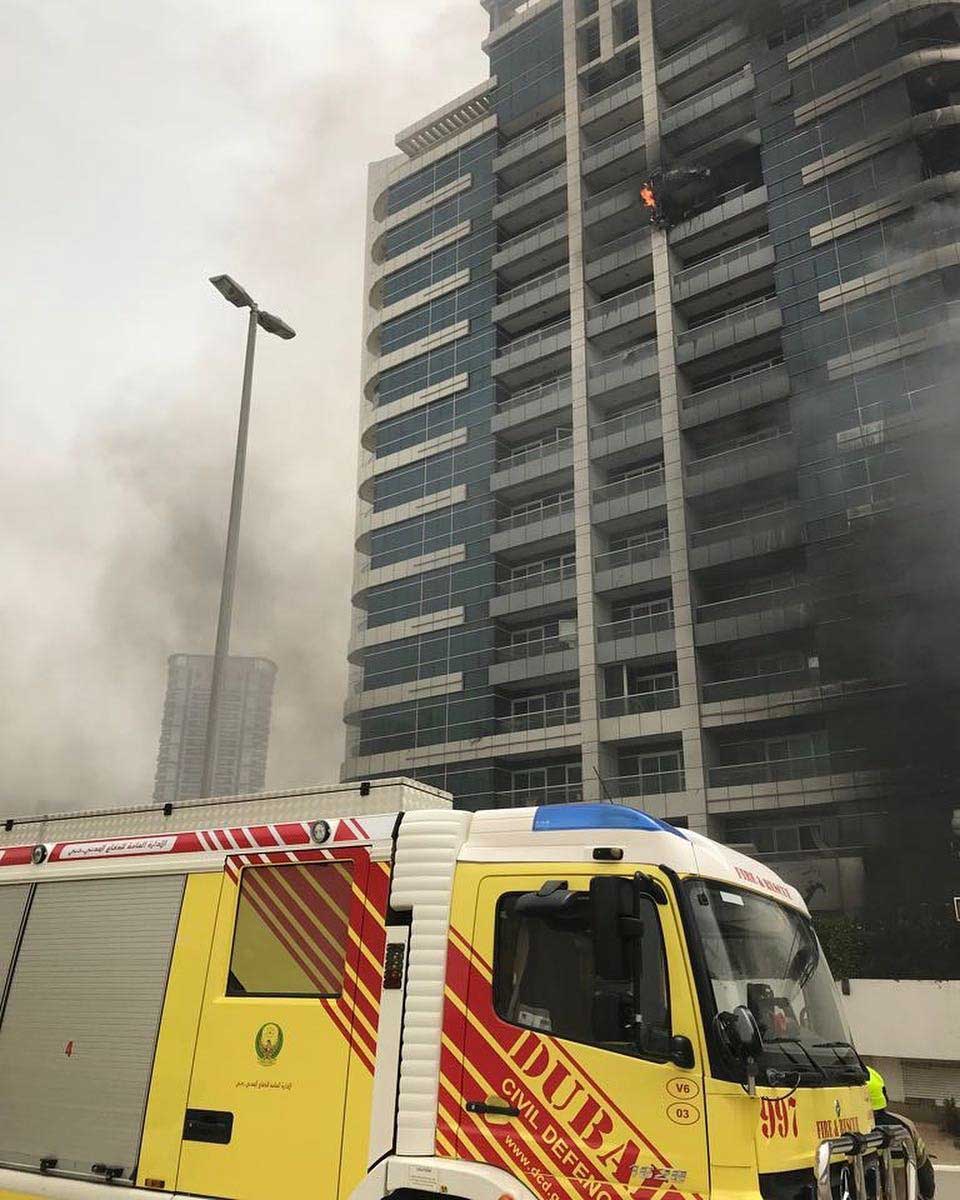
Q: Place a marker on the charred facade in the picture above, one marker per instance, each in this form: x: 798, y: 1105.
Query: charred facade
x: 657, y: 495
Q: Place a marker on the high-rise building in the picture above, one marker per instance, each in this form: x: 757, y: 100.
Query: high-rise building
x: 659, y: 436
x: 243, y: 731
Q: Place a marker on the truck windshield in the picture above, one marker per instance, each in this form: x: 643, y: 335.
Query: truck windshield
x: 765, y: 955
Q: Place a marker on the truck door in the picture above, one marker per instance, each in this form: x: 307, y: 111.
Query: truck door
x: 547, y: 1090
x: 266, y: 1102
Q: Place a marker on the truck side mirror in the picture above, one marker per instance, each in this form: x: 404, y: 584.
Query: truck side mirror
x: 742, y: 1037
x: 611, y: 898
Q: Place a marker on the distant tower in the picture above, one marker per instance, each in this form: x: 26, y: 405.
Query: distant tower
x: 243, y: 733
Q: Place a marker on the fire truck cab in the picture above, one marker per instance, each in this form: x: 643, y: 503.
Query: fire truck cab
x: 346, y: 993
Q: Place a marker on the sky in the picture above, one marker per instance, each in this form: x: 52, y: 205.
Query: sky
x: 145, y: 148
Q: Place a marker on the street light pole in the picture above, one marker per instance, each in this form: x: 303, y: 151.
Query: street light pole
x: 236, y: 295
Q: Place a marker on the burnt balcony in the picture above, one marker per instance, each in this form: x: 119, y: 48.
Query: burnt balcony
x: 752, y: 616
x: 755, y: 456
x: 746, y: 537
x: 781, y: 770
x: 748, y: 388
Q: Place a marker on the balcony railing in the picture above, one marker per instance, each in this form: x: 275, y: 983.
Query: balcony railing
x: 615, y: 139
x: 539, y: 512
x: 653, y: 700
x: 555, y: 124
x: 644, y: 481
x: 730, y: 314
x: 530, y: 341
x: 626, y: 358
x: 807, y: 766
x: 760, y: 242
x: 632, y: 418
x: 534, y: 453
x: 561, y: 793
x: 529, y: 184
x: 761, y: 438
x: 553, y: 225
x: 687, y: 47
x: 534, y: 285
x: 626, y: 242
x: 612, y: 89
x: 775, y: 599
x: 638, y: 626
x: 615, y: 303
x: 537, y: 648
x: 548, y: 719
x: 628, y: 787
x: 615, y: 559
x: 741, y: 527
x: 760, y: 368
x: 716, y: 86
x: 765, y: 684
x: 558, y: 388
x: 537, y: 579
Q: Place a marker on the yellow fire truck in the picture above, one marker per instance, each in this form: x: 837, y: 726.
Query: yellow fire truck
x: 354, y: 992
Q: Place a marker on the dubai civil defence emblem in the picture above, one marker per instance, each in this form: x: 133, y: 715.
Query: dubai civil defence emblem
x: 268, y: 1043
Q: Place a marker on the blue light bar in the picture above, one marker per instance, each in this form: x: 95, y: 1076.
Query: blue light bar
x: 599, y: 816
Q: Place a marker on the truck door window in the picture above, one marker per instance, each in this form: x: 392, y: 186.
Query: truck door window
x: 544, y: 979
x: 290, y: 937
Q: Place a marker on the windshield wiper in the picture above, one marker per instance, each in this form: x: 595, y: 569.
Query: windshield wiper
x: 836, y: 1047
x: 804, y: 1051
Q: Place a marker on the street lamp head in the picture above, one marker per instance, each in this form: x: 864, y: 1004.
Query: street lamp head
x: 232, y: 291
x: 274, y: 324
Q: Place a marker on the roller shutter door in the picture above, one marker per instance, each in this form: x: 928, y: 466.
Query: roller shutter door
x: 79, y: 1030
x: 12, y: 901
x: 938, y: 1081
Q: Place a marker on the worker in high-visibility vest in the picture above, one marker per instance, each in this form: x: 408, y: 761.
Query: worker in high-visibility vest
x: 926, y: 1179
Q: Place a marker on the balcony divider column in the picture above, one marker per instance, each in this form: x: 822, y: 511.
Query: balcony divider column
x: 687, y: 720
x: 594, y: 763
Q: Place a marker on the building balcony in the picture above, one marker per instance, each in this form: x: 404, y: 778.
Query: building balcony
x: 707, y: 114
x: 540, y: 299
x: 638, y: 637
x: 653, y: 700
x: 734, y: 335
x: 550, y: 523
x: 614, y: 502
x: 752, y: 537
x: 533, y: 721
x: 771, y: 453
x: 616, y: 106
x: 619, y: 438
x: 752, y: 616
x: 624, y: 318
x: 533, y: 151
x: 617, y: 264
x: 547, y: 659
x: 622, y: 569
x: 535, y: 407
x: 530, y: 469
x: 704, y: 62
x: 750, y: 388
x: 546, y: 591
x: 634, y: 372
x: 533, y: 202
x: 613, y: 213
x: 541, y: 352
x: 570, y: 793
x: 734, y: 216
x: 742, y: 687
x: 533, y: 251
x: 842, y: 762
x: 616, y: 157
x: 733, y: 273
x: 636, y: 787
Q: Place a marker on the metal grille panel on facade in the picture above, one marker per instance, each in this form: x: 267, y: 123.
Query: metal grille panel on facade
x: 931, y: 1081
x: 80, y: 1027
x: 12, y: 900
